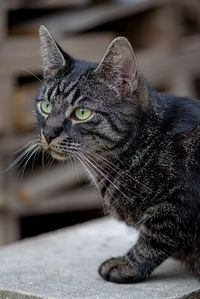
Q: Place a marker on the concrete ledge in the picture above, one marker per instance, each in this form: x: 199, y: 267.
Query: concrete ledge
x: 64, y: 265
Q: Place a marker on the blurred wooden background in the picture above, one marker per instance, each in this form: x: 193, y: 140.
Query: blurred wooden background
x: 166, y: 38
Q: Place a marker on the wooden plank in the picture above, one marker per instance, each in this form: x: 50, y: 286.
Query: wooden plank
x: 12, y: 142
x: 26, y: 52
x: 42, y: 4
x: 158, y: 27
x: 23, y: 106
x: 3, y: 22
x: 2, y: 197
x: 83, y: 198
x: 41, y: 184
x: 9, y: 227
x: 49, y: 4
x: 155, y: 64
x: 2, y: 228
x: 11, y: 4
x: 182, y: 84
x: 158, y: 66
x: 2, y: 200
x: 7, y: 88
x: 79, y: 21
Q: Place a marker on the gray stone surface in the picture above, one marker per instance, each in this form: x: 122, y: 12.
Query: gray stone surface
x: 64, y: 264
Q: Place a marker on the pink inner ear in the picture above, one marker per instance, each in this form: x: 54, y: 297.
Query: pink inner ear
x: 48, y: 72
x: 128, y: 70
x: 118, y: 67
x: 53, y: 59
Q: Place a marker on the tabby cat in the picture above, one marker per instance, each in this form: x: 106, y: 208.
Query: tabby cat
x: 141, y: 148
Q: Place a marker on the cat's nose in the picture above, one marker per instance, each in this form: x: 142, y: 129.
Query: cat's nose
x: 51, y: 133
x: 48, y: 138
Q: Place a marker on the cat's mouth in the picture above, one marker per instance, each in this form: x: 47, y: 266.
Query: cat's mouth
x: 57, y: 150
x: 57, y: 155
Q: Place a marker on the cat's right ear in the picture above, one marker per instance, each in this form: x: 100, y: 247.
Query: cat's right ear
x: 54, y: 58
x: 118, y: 67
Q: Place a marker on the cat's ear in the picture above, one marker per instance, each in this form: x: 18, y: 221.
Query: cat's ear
x: 54, y: 58
x: 118, y: 66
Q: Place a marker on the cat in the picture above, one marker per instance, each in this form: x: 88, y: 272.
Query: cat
x: 141, y: 147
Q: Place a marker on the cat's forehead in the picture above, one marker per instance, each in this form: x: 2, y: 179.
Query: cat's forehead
x: 66, y: 90
x: 75, y: 88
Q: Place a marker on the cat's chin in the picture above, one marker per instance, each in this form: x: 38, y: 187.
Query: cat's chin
x: 58, y: 156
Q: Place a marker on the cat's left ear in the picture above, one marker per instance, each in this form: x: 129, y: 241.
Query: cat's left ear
x: 118, y: 66
x: 54, y: 58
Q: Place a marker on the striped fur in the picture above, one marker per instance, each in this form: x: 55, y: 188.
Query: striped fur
x: 140, y: 147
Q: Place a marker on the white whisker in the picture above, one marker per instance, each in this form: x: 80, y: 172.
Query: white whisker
x: 22, y: 156
x: 28, y: 71
x: 90, y: 172
x: 25, y: 164
x: 106, y: 177
x: 112, y: 177
x: 124, y: 172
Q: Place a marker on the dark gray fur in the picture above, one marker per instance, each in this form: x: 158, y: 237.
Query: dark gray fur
x: 141, y: 148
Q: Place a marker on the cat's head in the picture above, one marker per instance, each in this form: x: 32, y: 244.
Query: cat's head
x: 86, y: 107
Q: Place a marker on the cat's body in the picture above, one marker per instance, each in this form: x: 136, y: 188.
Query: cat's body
x: 141, y: 147
x: 160, y: 158
x: 165, y: 157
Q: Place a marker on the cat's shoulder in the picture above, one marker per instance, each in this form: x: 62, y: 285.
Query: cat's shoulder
x: 183, y: 112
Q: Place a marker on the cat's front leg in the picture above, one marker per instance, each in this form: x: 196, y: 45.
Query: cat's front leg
x: 136, y: 265
x: 119, y: 270
x: 157, y: 241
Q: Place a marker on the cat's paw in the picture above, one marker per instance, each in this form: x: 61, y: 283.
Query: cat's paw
x: 118, y: 270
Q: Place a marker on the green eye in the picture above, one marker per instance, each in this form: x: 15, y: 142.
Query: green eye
x: 82, y: 113
x: 46, y: 107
